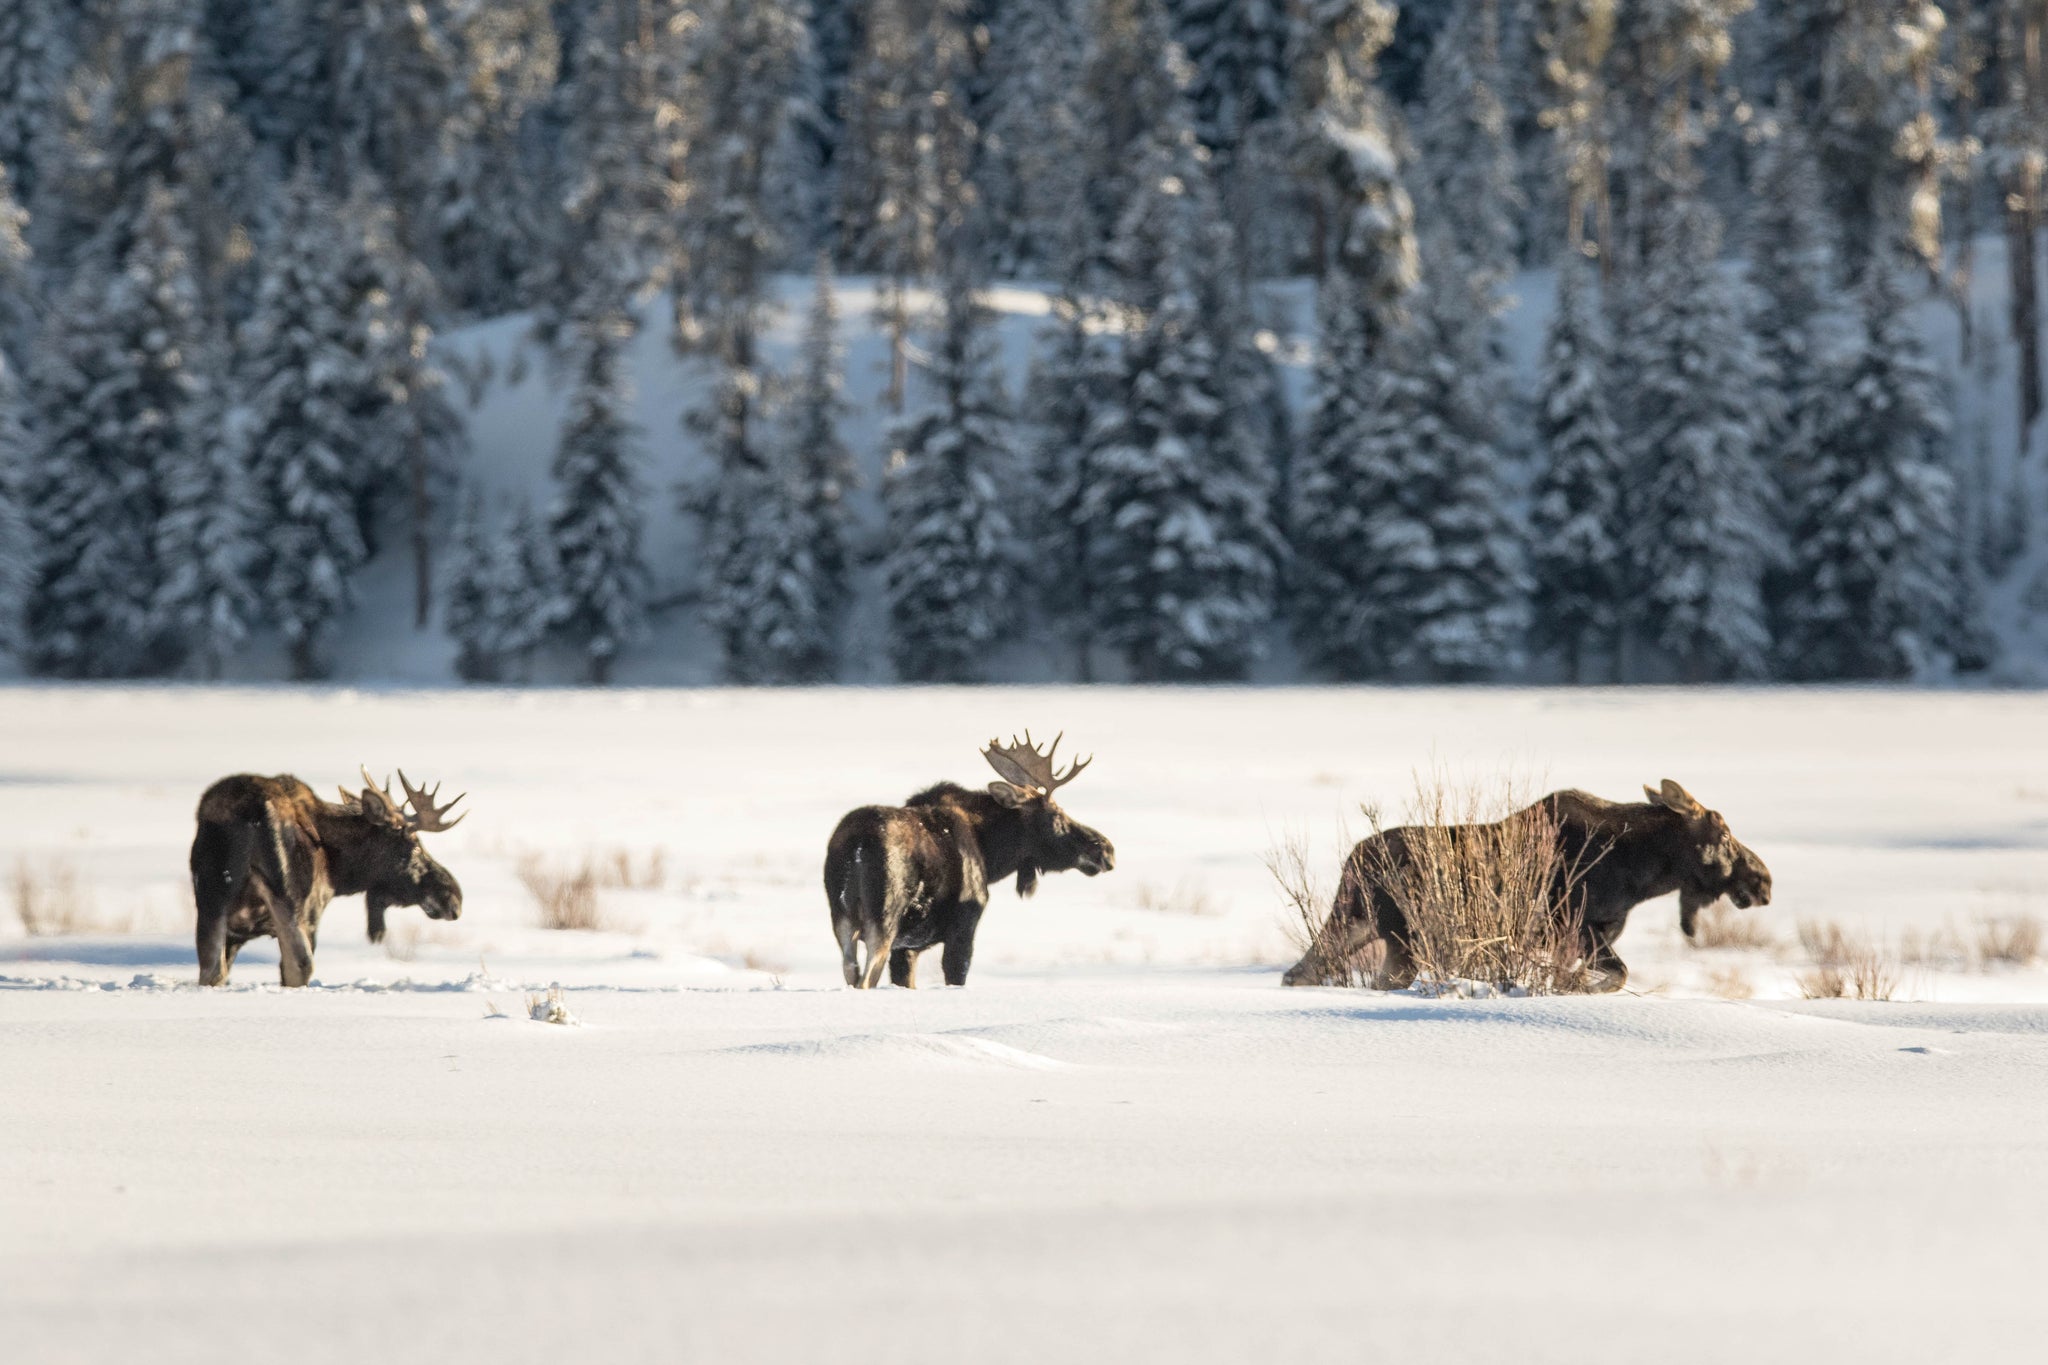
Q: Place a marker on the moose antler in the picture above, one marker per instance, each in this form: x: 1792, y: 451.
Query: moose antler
x: 1022, y: 765
x: 426, y: 816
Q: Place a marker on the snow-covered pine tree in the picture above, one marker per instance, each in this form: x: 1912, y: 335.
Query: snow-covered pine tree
x: 522, y: 593
x: 822, y: 465
x: 906, y: 156
x: 596, y: 518
x: 144, y: 116
x: 17, y: 553
x: 1465, y: 159
x: 205, y: 539
x: 617, y: 192
x: 1877, y: 131
x: 1070, y: 375
x: 311, y: 443
x: 954, y: 562
x: 1178, y: 514
x: 1028, y: 176
x: 1578, y: 557
x: 1873, y: 583
x: 117, y: 392
x: 1703, y: 525
x: 1343, y: 147
x: 1130, y: 84
x: 35, y: 41
x: 1792, y: 269
x: 482, y: 209
x: 743, y: 66
x: 1431, y: 582
x: 409, y: 432
x: 466, y: 599
x: 17, y: 289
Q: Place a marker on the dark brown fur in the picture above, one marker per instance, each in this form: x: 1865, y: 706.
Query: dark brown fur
x: 902, y: 878
x: 1613, y: 856
x: 269, y: 855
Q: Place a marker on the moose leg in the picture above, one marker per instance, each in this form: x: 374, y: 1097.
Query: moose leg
x: 880, y: 945
x: 903, y: 968
x: 294, y: 949
x: 215, y: 957
x: 849, y: 948
x: 1605, y: 971
x: 958, y: 955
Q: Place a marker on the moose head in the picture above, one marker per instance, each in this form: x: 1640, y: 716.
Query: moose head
x: 383, y: 855
x: 1714, y: 863
x: 1051, y: 840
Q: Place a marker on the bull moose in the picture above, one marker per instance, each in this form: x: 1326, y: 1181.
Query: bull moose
x: 269, y: 855
x: 902, y: 878
x: 1612, y: 856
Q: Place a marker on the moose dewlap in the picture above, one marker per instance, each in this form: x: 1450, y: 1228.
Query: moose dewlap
x: 900, y: 879
x: 269, y: 855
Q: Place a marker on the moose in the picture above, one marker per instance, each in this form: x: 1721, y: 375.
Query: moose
x: 902, y: 878
x: 269, y: 855
x: 1611, y: 857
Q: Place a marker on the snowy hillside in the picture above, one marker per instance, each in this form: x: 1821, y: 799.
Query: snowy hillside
x: 1122, y: 1140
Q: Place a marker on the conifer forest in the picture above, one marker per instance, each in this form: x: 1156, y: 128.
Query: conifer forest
x: 1599, y: 341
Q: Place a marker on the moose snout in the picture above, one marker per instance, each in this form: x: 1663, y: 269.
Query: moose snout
x: 1097, y: 860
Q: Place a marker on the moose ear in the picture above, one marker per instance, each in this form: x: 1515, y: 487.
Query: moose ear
x: 1677, y: 799
x: 377, y: 808
x: 1008, y: 795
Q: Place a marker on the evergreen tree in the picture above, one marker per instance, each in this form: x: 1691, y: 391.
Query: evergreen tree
x: 1577, y: 541
x: 1431, y: 577
x: 522, y: 593
x: 1130, y: 85
x: 17, y: 553
x: 312, y: 446
x: 118, y: 391
x: 1064, y: 398
x: 204, y: 602
x: 907, y: 155
x: 1466, y: 159
x: 34, y: 57
x: 1343, y: 148
x: 1028, y: 177
x: 821, y: 464
x: 1178, y: 515
x: 466, y: 604
x: 1704, y: 529
x: 954, y: 562
x: 1874, y: 585
x: 596, y: 519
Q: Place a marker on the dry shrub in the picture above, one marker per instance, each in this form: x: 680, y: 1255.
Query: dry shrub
x: 1823, y: 983
x: 1845, y: 965
x: 1307, y: 914
x: 567, y: 897
x: 1721, y: 925
x: 1475, y: 888
x: 1826, y: 943
x: 2014, y: 940
x: 1942, y: 947
x: 1186, y: 897
x: 1730, y: 983
x: 49, y: 898
x: 617, y: 867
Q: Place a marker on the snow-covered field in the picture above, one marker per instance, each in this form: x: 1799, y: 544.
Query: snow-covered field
x: 1122, y: 1141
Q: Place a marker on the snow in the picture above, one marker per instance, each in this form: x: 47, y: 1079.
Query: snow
x: 1121, y: 1141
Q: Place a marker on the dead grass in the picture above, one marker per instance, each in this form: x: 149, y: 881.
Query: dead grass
x: 567, y: 897
x: 49, y: 898
x: 1845, y: 964
x: 1186, y: 897
x: 2011, y: 940
x: 757, y: 962
x: 1304, y: 919
x: 622, y: 869
x: 1730, y: 983
x: 1474, y: 888
x: 1721, y: 925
